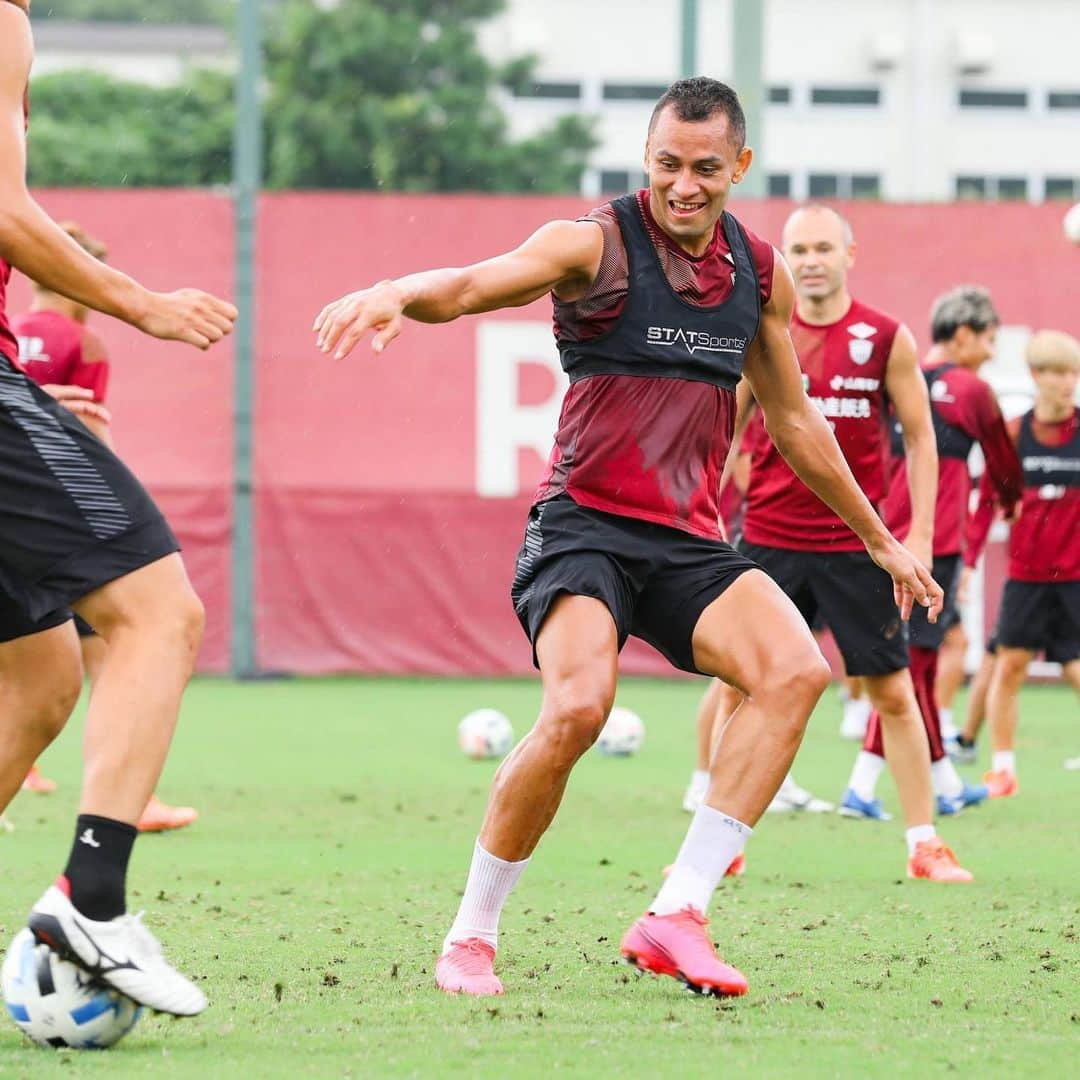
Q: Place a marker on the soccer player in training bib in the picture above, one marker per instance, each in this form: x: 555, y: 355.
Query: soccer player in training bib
x: 963, y: 325
x: 662, y: 301
x: 1040, y: 607
x: 77, y: 531
x: 855, y: 359
x: 56, y: 348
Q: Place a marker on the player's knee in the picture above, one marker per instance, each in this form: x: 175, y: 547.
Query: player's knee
x: 572, y: 721
x: 792, y: 686
x: 893, y: 697
x: 803, y: 678
x: 191, y: 619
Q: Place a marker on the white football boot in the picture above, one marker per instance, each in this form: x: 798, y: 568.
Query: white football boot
x: 121, y: 952
x: 791, y: 798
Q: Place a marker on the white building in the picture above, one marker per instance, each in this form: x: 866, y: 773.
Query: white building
x: 138, y: 52
x: 907, y: 100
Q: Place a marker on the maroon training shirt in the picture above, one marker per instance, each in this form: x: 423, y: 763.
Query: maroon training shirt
x: 1044, y: 542
x: 56, y: 349
x: 844, y: 365
x: 964, y: 401
x: 647, y: 448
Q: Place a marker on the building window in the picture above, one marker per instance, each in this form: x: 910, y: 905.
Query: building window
x: 615, y: 181
x: 1062, y: 187
x: 993, y: 99
x: 845, y: 95
x: 1014, y: 188
x: 633, y: 91
x: 971, y: 187
x: 1063, y: 99
x: 551, y: 91
x: 779, y: 185
x: 823, y: 186
x: 779, y: 95
x: 844, y: 186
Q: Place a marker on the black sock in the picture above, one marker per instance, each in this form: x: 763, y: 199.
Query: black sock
x: 97, y: 867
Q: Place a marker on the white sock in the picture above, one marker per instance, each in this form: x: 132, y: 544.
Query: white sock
x: 490, y: 883
x: 700, y: 780
x: 1004, y: 761
x: 946, y: 779
x: 858, y: 709
x: 865, y: 775
x: 948, y: 728
x: 916, y: 835
x: 712, y: 842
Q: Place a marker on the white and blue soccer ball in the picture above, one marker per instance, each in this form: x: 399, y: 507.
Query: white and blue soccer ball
x: 58, y: 1004
x: 622, y: 735
x: 485, y: 733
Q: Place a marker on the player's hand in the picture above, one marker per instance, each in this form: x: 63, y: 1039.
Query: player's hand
x: 912, y: 582
x: 341, y: 325
x: 187, y: 315
x: 78, y: 400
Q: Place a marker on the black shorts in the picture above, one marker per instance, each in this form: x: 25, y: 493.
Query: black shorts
x: 851, y: 593
x: 1043, y: 616
x: 1058, y: 652
x: 922, y: 633
x: 72, y: 515
x: 656, y: 581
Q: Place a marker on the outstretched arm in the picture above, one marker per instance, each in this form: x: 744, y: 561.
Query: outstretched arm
x: 804, y: 438
x: 561, y: 256
x: 32, y: 242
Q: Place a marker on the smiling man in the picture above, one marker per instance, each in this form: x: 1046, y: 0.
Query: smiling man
x: 662, y: 302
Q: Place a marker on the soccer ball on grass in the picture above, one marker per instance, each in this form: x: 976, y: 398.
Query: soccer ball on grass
x: 622, y: 735
x: 485, y: 733
x: 58, y: 1004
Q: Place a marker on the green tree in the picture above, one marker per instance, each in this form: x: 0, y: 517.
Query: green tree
x: 91, y: 130
x: 148, y: 11
x: 396, y: 95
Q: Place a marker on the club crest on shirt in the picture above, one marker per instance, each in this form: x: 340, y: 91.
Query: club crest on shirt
x: 861, y: 348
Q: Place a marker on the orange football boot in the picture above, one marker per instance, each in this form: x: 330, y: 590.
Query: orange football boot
x: 35, y: 782
x: 934, y: 861
x: 1001, y: 784
x: 736, y: 869
x: 159, y: 817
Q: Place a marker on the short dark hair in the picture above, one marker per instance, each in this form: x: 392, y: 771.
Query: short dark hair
x: 966, y: 305
x: 700, y: 98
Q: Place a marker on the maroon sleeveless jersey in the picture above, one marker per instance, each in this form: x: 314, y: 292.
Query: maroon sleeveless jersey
x: 651, y: 448
x: 844, y: 370
x: 1044, y: 543
x: 56, y: 349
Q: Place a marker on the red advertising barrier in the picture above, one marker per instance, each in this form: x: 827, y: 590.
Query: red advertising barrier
x: 390, y: 491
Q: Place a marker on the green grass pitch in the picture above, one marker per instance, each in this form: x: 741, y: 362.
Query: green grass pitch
x: 338, y: 819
